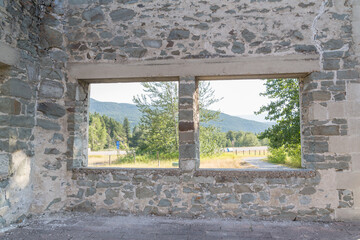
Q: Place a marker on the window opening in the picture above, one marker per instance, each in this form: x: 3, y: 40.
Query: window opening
x: 250, y: 124
x: 133, y: 125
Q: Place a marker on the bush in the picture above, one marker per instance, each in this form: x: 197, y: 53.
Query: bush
x: 294, y: 153
x: 277, y: 155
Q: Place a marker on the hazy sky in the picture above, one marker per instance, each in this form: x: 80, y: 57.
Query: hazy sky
x: 240, y: 97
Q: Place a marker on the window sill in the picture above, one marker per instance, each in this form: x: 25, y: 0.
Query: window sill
x: 253, y: 173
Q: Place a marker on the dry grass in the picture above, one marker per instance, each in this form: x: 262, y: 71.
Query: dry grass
x: 225, y: 160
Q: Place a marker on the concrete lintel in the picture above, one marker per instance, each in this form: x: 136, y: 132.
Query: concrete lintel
x: 204, y: 69
x: 8, y: 55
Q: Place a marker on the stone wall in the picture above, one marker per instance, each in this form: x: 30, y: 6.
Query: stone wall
x: 44, y: 104
x: 19, y: 34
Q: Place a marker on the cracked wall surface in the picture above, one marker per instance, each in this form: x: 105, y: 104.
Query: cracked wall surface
x: 43, y: 105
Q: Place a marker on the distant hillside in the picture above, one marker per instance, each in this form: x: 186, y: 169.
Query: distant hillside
x: 118, y: 111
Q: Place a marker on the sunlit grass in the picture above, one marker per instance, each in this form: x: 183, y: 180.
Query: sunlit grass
x: 223, y: 160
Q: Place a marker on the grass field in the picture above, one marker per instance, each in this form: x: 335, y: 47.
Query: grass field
x: 224, y: 160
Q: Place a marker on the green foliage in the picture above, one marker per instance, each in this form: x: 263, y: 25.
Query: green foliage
x: 97, y: 132
x: 277, y: 155
x: 243, y: 139
x: 126, y: 127
x: 211, y: 140
x: 289, y: 155
x: 104, y: 132
x: 294, y: 153
x: 159, y: 108
x: 284, y: 109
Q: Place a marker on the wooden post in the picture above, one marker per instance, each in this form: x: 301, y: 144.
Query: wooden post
x: 243, y: 152
x: 109, y: 160
x: 249, y: 152
x: 236, y: 151
x: 157, y: 156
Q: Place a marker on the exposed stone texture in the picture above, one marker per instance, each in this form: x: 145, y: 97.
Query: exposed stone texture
x: 40, y: 98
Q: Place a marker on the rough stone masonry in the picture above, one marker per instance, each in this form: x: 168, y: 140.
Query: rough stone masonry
x: 50, y: 51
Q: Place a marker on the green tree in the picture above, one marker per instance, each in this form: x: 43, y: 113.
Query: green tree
x: 127, y: 131
x: 159, y: 121
x: 284, y: 109
x: 97, y: 132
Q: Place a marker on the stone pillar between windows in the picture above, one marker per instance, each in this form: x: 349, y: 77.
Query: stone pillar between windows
x: 189, y: 147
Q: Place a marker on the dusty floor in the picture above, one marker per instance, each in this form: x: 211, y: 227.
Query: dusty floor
x: 83, y: 226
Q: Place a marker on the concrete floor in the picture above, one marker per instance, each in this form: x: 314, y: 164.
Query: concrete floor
x: 83, y: 226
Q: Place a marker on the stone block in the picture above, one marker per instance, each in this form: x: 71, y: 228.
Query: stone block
x: 51, y: 110
x: 326, y: 130
x: 51, y: 89
x: 144, y: 192
x: 348, y: 74
x: 188, y: 151
x: 122, y: 14
x: 152, y: 43
x: 184, y: 115
x: 93, y: 15
x: 187, y: 165
x: 238, y: 48
x: 22, y: 121
x: 4, y: 163
x: 16, y: 88
x: 10, y: 106
x: 178, y: 34
x: 187, y: 137
x: 48, y: 125
x: 186, y: 126
x: 320, y: 96
x: 186, y: 89
x: 331, y: 64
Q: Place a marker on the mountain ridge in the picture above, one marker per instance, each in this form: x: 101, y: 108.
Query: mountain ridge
x: 118, y: 111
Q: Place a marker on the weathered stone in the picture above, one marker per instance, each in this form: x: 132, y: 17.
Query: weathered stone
x: 152, y: 43
x: 242, y: 189
x: 94, y: 15
x: 164, y: 203
x: 247, y: 198
x: 51, y: 110
x: 51, y: 38
x: 215, y: 190
x: 51, y: 89
x: 202, y: 26
x: 333, y: 44
x: 51, y: 151
x: 10, y: 106
x: 85, y: 206
x: 122, y: 14
x: 144, y: 192
x: 4, y: 167
x: 247, y: 35
x: 107, y: 185
x: 178, y: 34
x: 238, y: 47
x: 308, y: 191
x: 331, y: 64
x: 325, y: 130
x: 48, y: 125
x: 135, y: 52
x: 305, y: 48
x: 347, y: 74
x: 16, y: 88
x: 263, y: 50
